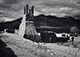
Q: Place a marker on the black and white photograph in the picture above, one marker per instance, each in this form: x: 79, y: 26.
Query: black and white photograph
x: 39, y: 28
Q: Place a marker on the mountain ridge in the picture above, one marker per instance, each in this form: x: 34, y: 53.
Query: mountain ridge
x: 43, y: 20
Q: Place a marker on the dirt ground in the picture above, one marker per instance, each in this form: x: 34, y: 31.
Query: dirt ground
x: 25, y: 48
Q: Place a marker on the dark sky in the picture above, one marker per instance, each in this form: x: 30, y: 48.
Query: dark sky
x: 12, y: 9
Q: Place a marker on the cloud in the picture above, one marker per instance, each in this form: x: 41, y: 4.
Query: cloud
x: 2, y: 20
x: 10, y: 8
x: 13, y: 9
x: 65, y: 7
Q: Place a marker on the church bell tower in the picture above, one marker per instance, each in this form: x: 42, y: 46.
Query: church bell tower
x: 30, y: 31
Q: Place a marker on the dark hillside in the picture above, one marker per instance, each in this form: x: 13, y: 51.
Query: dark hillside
x: 42, y: 20
x: 55, y: 21
x: 10, y: 24
x: 13, y: 24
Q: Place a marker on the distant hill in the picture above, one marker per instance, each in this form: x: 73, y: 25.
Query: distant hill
x: 42, y: 20
x: 55, y: 21
x: 10, y: 24
x: 65, y: 23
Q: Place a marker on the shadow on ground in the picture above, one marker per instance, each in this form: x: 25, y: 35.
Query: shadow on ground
x: 5, y: 51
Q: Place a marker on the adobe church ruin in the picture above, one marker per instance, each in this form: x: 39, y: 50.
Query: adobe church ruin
x: 27, y: 28
x: 29, y: 31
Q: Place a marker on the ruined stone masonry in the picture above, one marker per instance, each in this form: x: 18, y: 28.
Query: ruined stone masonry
x: 27, y: 25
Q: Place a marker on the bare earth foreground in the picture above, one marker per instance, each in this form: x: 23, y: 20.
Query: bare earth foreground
x: 26, y: 48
